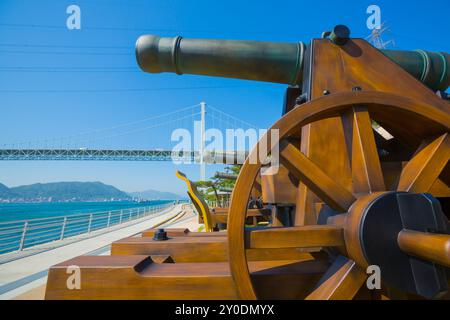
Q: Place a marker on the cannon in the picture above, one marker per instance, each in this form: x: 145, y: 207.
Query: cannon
x: 360, y: 202
x: 267, y: 61
x: 225, y: 175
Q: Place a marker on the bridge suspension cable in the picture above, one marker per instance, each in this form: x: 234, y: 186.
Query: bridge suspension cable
x: 88, y: 136
x: 82, y: 146
x: 222, y: 116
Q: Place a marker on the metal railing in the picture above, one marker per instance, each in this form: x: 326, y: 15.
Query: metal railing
x: 20, y: 234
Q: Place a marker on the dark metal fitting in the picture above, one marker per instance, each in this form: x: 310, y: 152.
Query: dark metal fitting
x: 340, y: 34
x: 160, y: 235
x: 301, y: 99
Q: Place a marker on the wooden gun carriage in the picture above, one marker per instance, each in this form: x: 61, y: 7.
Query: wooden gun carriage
x: 357, y: 198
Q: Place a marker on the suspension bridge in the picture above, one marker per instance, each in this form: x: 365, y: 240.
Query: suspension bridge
x: 96, y: 145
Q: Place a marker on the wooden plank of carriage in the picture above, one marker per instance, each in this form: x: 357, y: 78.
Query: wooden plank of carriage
x: 138, y: 277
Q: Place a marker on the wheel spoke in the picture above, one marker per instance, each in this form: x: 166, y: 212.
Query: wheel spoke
x: 367, y: 175
x: 295, y: 237
x: 257, y: 185
x: 341, y: 282
x: 326, y: 188
x: 424, y: 168
x: 440, y: 189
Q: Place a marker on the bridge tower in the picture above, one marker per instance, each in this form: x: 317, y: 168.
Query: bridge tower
x: 202, y: 141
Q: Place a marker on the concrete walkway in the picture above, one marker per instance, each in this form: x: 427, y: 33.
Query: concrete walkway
x: 22, y: 277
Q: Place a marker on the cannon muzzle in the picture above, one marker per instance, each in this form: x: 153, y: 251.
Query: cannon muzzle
x: 279, y: 62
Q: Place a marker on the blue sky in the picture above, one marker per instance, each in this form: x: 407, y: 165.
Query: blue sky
x: 45, y: 101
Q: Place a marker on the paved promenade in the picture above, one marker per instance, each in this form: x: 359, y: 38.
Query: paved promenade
x: 25, y: 278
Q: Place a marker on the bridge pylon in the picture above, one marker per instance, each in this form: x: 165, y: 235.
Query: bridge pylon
x: 202, y: 141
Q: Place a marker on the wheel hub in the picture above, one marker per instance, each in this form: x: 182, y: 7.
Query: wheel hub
x: 371, y: 233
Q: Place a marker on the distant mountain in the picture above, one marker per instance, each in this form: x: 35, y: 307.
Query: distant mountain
x: 156, y: 195
x: 5, y: 192
x: 63, y: 191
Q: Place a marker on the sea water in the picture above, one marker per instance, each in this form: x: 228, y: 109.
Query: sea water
x: 26, y: 211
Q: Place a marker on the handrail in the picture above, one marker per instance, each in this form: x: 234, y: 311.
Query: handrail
x: 31, y: 232
x: 73, y: 215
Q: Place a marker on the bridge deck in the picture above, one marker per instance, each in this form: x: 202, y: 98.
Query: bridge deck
x: 209, y: 156
x: 90, y: 154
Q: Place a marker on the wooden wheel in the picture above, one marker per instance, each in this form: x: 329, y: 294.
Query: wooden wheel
x: 352, y: 219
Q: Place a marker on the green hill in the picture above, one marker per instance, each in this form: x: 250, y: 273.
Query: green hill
x: 5, y: 192
x: 63, y: 191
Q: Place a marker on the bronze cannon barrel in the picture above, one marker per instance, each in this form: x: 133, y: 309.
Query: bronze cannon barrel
x: 225, y: 175
x: 431, y: 68
x: 252, y: 60
x: 279, y: 62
